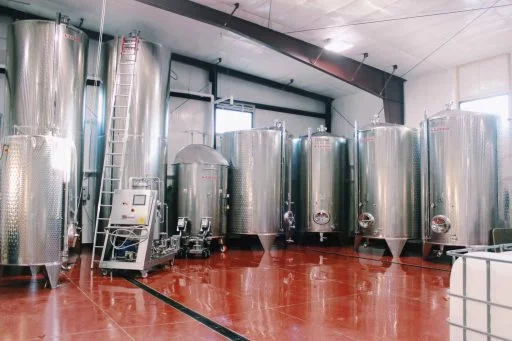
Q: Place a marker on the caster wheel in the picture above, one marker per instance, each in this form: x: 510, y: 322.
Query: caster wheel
x: 171, y: 263
x: 223, y: 248
x: 206, y: 254
x: 104, y: 272
x: 144, y: 274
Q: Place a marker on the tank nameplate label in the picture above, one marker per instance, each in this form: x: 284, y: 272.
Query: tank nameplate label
x: 76, y: 39
x: 209, y: 177
x: 367, y: 139
x: 322, y: 144
x: 439, y: 129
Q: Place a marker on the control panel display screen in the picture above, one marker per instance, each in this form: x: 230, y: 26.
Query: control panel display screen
x: 139, y: 200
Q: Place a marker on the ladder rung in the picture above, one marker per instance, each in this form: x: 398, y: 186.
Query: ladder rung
x: 131, y: 62
x: 118, y: 117
x: 101, y: 232
x: 121, y: 106
x: 111, y: 179
x: 103, y: 219
x: 125, y: 73
x: 117, y: 129
x: 106, y: 205
x: 112, y: 166
x: 111, y: 141
x: 114, y: 153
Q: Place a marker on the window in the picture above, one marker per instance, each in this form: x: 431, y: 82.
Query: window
x: 498, y: 105
x: 230, y: 119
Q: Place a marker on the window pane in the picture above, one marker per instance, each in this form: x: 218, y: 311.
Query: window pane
x: 493, y: 105
x: 230, y: 120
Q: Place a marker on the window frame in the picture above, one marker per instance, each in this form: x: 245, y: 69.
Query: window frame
x: 235, y: 107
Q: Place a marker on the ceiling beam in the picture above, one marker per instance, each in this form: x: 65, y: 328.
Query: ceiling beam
x: 367, y: 78
x: 250, y: 78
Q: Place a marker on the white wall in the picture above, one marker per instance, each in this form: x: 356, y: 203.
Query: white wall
x: 251, y: 92
x: 360, y: 106
x: 186, y: 77
x: 479, y: 79
x: 430, y: 93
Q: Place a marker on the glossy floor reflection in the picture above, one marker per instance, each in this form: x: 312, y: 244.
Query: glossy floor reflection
x: 301, y: 293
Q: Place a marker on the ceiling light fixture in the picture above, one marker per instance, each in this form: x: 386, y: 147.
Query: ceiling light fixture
x: 336, y: 45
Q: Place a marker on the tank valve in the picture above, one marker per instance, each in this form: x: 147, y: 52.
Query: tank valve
x: 322, y: 237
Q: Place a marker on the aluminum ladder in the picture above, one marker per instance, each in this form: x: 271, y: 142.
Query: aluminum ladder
x: 116, y: 138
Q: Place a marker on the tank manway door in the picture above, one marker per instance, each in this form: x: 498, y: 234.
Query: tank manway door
x: 116, y: 137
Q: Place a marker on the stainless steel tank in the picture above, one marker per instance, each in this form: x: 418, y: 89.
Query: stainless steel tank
x: 202, y: 174
x: 146, y: 149
x: 35, y: 170
x: 389, y: 184
x: 323, y: 183
x: 46, y: 74
x: 460, y: 178
x: 258, y: 181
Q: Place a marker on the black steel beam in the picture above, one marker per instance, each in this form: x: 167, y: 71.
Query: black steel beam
x: 328, y: 115
x: 284, y: 109
x: 213, y: 76
x: 19, y: 15
x: 248, y: 77
x: 190, y: 96
x: 367, y: 78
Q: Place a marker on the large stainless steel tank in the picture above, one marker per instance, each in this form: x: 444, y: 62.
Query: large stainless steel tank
x: 46, y: 73
x: 459, y: 178
x: 35, y: 170
x: 323, y: 183
x: 202, y: 188
x: 146, y: 149
x: 389, y: 184
x: 258, y: 181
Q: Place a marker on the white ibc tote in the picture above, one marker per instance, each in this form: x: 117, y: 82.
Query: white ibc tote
x: 480, y: 294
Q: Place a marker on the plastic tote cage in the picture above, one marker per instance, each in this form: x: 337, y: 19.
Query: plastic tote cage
x: 480, y: 299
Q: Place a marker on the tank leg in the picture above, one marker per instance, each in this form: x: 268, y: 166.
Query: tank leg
x: 396, y: 245
x: 427, y: 250
x: 222, y: 245
x: 267, y: 240
x: 34, y: 269
x: 52, y: 272
x: 341, y: 239
x: 357, y: 241
x: 302, y: 238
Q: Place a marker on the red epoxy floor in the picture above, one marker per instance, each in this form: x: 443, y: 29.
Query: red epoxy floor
x: 298, y: 294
